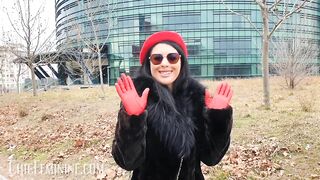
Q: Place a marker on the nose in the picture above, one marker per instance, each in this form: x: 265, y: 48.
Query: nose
x: 165, y: 61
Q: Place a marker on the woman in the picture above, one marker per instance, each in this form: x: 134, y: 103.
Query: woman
x: 168, y: 122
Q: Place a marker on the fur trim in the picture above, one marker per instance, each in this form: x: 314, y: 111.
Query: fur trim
x: 169, y: 121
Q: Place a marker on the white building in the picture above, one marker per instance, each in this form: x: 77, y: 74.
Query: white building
x: 9, y: 72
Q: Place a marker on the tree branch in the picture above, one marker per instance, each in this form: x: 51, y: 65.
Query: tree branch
x: 239, y: 14
x: 275, y: 4
x: 260, y: 3
x: 286, y: 16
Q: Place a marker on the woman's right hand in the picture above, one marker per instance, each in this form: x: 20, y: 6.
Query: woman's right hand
x: 132, y: 102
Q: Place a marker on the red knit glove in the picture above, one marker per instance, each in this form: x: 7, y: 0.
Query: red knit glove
x: 133, y: 104
x: 221, y: 98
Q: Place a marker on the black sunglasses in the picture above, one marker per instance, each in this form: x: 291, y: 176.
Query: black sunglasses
x: 156, y: 59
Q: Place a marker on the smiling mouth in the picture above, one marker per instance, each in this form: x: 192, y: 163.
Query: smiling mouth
x: 165, y: 73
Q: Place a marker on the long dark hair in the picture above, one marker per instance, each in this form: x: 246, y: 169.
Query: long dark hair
x: 174, y: 129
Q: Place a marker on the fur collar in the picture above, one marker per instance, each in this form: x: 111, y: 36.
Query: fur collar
x: 169, y: 121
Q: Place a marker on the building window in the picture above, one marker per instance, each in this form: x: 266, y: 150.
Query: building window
x: 181, y: 21
x: 232, y: 70
x: 195, y: 70
x: 232, y: 46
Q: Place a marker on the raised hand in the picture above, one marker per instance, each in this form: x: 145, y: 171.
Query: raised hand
x: 132, y: 102
x: 221, y: 98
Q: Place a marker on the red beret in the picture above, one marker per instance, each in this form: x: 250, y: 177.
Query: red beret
x: 160, y: 37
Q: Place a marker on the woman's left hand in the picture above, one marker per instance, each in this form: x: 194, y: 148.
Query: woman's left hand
x: 221, y: 98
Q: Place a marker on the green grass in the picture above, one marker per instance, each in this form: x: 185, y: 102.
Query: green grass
x: 25, y: 154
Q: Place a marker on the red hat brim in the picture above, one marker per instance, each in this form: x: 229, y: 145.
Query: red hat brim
x: 160, y: 37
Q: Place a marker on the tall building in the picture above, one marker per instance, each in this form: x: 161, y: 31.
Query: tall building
x: 220, y: 43
x: 9, y: 71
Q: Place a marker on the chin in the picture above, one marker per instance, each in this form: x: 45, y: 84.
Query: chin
x: 166, y: 82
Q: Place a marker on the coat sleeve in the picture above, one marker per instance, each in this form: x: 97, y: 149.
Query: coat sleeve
x: 129, y: 144
x: 216, y: 135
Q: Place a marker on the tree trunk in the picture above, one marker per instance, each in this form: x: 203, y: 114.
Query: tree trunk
x: 2, y: 90
x: 291, y: 83
x: 100, y: 70
x: 265, y: 58
x: 18, y: 79
x: 18, y: 86
x: 34, y: 86
x: 30, y: 57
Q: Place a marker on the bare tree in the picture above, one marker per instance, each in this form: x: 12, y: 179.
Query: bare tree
x: 294, y: 58
x: 88, y: 32
x: 17, y: 77
x: 2, y: 63
x: 30, y: 31
x: 281, y: 10
x: 21, y: 70
x: 78, y: 62
x: 8, y: 69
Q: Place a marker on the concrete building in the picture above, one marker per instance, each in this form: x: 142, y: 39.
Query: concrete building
x: 9, y: 72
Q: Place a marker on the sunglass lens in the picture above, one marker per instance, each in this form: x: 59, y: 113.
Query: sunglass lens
x: 156, y: 59
x: 173, y: 57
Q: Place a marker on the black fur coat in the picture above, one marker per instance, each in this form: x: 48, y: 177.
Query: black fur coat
x: 167, y: 140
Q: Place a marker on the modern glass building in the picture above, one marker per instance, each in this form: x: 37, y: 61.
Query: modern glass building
x: 220, y: 43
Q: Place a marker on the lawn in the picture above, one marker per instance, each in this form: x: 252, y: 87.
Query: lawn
x: 72, y: 130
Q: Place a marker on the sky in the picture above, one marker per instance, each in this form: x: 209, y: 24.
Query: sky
x: 48, y: 15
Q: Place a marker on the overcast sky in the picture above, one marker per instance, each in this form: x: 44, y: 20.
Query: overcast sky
x: 48, y: 15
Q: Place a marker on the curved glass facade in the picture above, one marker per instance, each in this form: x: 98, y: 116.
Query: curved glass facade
x: 220, y: 44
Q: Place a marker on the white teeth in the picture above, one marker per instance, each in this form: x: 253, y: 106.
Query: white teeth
x: 165, y: 73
